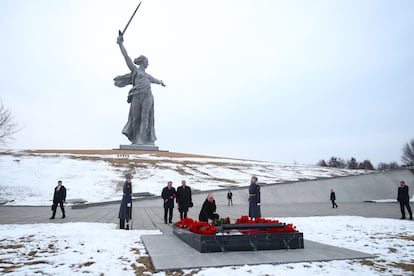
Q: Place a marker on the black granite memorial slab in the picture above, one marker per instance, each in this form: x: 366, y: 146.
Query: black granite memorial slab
x: 235, y: 241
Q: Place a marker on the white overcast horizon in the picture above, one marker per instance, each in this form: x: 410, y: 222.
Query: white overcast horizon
x: 284, y: 81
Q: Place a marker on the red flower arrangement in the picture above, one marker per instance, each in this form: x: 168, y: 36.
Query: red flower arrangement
x: 203, y: 228
x: 198, y: 227
x: 246, y: 220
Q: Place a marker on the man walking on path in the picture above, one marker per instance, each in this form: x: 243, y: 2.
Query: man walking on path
x: 168, y: 194
x: 404, y: 199
x: 59, y: 197
x: 333, y: 198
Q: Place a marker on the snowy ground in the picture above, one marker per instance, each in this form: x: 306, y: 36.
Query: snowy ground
x: 29, y: 179
x: 101, y: 249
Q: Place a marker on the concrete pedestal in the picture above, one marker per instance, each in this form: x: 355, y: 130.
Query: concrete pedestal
x: 139, y: 147
x: 254, y: 242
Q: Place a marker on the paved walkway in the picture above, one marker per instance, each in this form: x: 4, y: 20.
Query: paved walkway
x: 151, y: 216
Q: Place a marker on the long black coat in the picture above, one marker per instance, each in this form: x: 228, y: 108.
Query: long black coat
x: 254, y: 201
x: 403, y: 195
x: 208, y: 211
x: 184, y: 198
x: 126, y: 198
x: 168, y: 194
x: 59, y: 195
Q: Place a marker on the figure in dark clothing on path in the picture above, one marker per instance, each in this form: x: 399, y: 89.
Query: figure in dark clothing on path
x: 168, y: 194
x: 229, y: 198
x: 254, y: 199
x: 125, y: 209
x: 333, y: 198
x: 59, y: 197
x: 208, y: 210
x: 184, y: 199
x: 403, y: 198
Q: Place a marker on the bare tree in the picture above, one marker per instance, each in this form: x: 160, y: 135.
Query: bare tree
x: 408, y: 153
x: 7, y: 127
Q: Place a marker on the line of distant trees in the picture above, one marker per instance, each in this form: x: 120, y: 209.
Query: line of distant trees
x: 337, y: 162
x: 352, y: 164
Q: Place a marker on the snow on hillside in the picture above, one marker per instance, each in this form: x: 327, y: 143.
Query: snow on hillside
x: 29, y: 178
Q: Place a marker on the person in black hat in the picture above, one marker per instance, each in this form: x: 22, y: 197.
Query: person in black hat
x: 125, y: 210
x: 254, y: 198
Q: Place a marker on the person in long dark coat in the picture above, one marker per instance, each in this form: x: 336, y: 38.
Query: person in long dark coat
x: 254, y: 198
x: 333, y: 198
x: 403, y: 198
x: 59, y: 197
x: 168, y: 194
x: 208, y: 210
x: 184, y: 199
x: 125, y: 209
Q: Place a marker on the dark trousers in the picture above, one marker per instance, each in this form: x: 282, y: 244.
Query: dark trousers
x: 405, y: 204
x: 334, y: 204
x: 183, y: 214
x: 168, y: 211
x: 229, y: 201
x: 54, y: 207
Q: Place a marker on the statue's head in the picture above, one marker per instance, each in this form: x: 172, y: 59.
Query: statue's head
x: 141, y: 61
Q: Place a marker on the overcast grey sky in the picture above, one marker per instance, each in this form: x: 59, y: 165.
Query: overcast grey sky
x: 285, y: 81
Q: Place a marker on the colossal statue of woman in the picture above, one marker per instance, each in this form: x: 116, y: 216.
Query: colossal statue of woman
x: 140, y: 126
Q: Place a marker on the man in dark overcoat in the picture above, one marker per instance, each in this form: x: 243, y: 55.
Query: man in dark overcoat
x: 125, y: 209
x: 168, y: 194
x: 333, y: 198
x: 59, y: 197
x: 208, y: 210
x: 403, y: 198
x: 254, y: 198
x: 184, y: 199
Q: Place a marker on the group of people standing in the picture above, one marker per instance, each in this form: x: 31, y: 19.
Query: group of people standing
x: 182, y: 197
x: 208, y: 210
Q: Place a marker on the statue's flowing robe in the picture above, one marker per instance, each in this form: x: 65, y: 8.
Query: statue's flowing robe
x: 140, y: 91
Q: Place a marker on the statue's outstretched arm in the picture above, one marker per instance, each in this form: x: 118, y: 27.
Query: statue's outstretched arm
x: 128, y: 60
x: 154, y: 80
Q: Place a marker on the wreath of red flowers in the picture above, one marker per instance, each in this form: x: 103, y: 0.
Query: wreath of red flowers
x: 198, y: 227
x: 246, y: 220
x: 203, y: 228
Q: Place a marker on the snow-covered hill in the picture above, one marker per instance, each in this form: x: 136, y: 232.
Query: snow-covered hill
x: 28, y: 177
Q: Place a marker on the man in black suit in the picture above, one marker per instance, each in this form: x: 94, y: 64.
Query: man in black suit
x: 168, y: 194
x: 184, y: 199
x: 59, y: 197
x: 404, y: 199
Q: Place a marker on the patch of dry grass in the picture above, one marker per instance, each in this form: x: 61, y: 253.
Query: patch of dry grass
x: 404, y: 266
